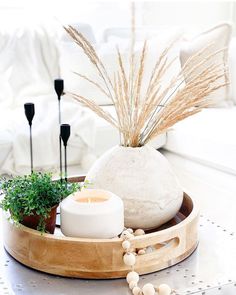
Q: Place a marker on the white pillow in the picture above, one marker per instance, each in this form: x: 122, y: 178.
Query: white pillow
x: 72, y: 58
x: 219, y: 37
x: 155, y: 47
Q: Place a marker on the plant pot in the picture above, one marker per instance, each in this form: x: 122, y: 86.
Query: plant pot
x: 32, y: 221
x: 143, y: 178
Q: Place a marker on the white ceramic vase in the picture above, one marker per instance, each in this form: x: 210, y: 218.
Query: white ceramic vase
x: 143, y: 178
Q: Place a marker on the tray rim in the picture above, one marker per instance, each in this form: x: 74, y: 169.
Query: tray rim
x: 189, y: 218
x: 111, y: 265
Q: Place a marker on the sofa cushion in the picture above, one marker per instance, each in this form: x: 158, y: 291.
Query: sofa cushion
x: 106, y: 136
x: 216, y: 39
x: 207, y: 137
x: 73, y: 59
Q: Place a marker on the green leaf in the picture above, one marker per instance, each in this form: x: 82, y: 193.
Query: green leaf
x: 35, y: 193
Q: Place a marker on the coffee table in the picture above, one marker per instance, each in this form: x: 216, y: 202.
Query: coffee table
x: 210, y: 270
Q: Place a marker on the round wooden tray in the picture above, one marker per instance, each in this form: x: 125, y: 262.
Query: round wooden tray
x: 102, y: 258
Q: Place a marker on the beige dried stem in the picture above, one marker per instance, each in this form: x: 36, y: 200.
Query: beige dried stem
x: 143, y: 114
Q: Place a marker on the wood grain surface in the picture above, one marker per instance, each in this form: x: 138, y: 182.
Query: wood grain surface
x: 102, y: 258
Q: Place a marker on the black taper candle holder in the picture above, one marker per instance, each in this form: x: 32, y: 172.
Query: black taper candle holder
x: 29, y: 113
x: 65, y: 134
x: 59, y: 87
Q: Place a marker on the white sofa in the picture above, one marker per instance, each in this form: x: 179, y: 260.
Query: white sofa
x: 206, y: 138
x: 29, y: 62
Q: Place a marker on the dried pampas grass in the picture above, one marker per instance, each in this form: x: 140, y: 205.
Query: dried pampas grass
x: 145, y: 111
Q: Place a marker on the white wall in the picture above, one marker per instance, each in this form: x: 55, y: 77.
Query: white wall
x: 193, y: 15
x: 103, y: 14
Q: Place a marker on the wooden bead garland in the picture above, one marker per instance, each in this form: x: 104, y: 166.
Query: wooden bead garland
x: 141, y: 252
x: 139, y: 232
x: 129, y: 259
x: 136, y: 291
x: 132, y: 276
x: 148, y: 289
x: 164, y: 289
x: 126, y: 245
x: 133, y: 284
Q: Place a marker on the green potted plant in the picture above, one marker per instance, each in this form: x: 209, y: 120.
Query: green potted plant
x: 32, y: 200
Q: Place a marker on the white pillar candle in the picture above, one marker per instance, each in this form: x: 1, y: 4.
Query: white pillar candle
x: 92, y: 213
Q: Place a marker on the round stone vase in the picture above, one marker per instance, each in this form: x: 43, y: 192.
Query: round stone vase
x: 143, y: 178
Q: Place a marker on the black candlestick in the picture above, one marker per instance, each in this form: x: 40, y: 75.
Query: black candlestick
x: 59, y: 87
x: 65, y: 134
x: 29, y: 113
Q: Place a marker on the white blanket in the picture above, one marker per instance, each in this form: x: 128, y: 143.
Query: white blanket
x: 28, y: 66
x: 45, y: 131
x: 45, y: 135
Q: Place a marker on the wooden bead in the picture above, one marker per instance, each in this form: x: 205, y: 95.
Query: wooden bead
x: 149, y: 249
x: 136, y: 291
x: 130, y: 230
x: 141, y: 252
x: 123, y: 234
x: 132, y: 284
x: 148, y: 289
x: 126, y: 245
x: 164, y: 289
x: 141, y: 249
x: 129, y: 259
x: 132, y: 276
x: 130, y: 236
x: 139, y: 232
x: 126, y: 235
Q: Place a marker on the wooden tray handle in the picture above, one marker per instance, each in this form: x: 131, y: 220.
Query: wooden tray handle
x: 159, y: 247
x: 159, y: 251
